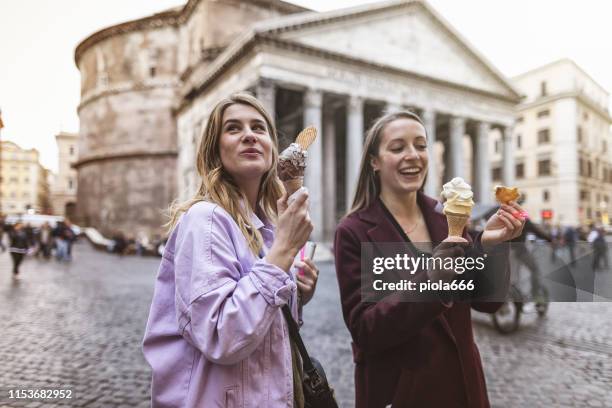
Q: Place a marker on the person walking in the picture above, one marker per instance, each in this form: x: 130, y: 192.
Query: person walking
x: 570, y: 236
x: 413, y: 353
x: 61, y: 244
x: 216, y: 334
x: 556, y: 239
x: 46, y: 240
x: 600, y: 250
x: 69, y: 237
x: 3, y: 227
x: 18, y: 246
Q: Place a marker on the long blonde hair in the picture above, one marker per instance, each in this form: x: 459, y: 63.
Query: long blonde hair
x: 368, y: 184
x: 218, y: 186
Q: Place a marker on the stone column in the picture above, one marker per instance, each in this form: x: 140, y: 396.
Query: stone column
x: 266, y: 93
x: 508, y: 156
x: 313, y: 179
x: 482, y: 168
x: 354, y: 146
x: 432, y: 187
x: 393, y: 107
x: 329, y: 174
x: 457, y: 131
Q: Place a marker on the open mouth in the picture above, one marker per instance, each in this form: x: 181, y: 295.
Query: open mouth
x: 410, y: 171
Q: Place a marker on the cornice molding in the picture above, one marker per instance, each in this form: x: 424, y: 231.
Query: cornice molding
x: 124, y: 156
x: 94, y: 96
x: 173, y: 17
x: 159, y: 20
x: 579, y: 96
x: 274, y: 41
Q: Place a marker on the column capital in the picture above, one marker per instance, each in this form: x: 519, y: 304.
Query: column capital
x: 313, y: 98
x: 355, y: 102
x: 265, y: 89
x: 265, y: 83
x: 457, y: 121
x: 484, y: 127
x: 393, y: 106
x: 428, y: 114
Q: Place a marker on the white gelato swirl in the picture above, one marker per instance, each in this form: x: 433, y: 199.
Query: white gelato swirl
x: 458, y: 195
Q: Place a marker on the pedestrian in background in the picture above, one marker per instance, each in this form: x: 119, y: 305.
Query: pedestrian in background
x: 3, y: 227
x: 61, y: 244
x: 46, y: 240
x: 600, y: 249
x: 70, y: 237
x: 18, y: 246
x: 556, y: 240
x: 142, y: 243
x: 570, y: 236
x: 120, y: 243
x: 216, y: 334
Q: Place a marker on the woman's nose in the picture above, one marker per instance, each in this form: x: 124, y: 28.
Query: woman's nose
x: 248, y: 135
x: 411, y: 153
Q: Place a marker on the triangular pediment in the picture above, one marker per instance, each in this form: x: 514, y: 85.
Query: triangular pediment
x: 405, y: 35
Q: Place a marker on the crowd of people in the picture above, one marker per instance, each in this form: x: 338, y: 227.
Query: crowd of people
x: 42, y: 241
x: 568, y: 238
x: 140, y: 245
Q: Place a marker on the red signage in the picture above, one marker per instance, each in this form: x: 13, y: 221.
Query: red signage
x: 547, y: 214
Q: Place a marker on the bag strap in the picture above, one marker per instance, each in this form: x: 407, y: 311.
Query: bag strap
x: 294, y: 333
x: 295, y: 336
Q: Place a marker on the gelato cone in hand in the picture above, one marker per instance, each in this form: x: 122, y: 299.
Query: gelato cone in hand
x: 292, y: 161
x: 458, y: 205
x: 291, y: 167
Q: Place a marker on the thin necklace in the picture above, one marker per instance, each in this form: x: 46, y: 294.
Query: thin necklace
x: 416, y: 224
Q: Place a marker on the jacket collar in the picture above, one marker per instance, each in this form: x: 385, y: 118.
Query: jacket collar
x: 383, y: 230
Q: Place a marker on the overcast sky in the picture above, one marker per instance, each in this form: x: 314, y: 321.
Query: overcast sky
x: 39, y: 82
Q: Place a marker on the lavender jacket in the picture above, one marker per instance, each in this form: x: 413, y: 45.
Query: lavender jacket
x: 216, y: 335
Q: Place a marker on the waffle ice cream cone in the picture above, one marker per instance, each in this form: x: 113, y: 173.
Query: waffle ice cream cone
x: 458, y: 205
x: 456, y: 224
x: 292, y: 160
x: 306, y: 137
x: 293, y: 185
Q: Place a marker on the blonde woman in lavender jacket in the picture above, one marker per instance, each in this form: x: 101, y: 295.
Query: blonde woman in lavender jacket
x: 216, y: 335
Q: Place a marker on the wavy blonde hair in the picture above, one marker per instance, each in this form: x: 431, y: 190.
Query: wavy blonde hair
x: 368, y: 184
x: 218, y: 186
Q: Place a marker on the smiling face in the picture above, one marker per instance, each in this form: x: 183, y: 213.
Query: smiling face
x: 402, y: 158
x: 245, y: 145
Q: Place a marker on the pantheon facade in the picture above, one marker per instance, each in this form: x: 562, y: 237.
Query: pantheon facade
x: 149, y: 85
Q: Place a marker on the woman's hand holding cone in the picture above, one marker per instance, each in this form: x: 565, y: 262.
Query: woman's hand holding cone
x: 504, y: 225
x: 292, y: 230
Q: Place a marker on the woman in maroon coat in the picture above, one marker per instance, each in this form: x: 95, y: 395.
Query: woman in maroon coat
x: 413, y: 354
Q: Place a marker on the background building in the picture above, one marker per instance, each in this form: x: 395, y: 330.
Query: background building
x: 64, y: 187
x: 23, y: 185
x: 148, y: 87
x: 338, y: 71
x: 130, y: 78
x: 562, y: 143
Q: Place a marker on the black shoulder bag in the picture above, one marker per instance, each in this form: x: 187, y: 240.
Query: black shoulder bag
x: 317, y: 392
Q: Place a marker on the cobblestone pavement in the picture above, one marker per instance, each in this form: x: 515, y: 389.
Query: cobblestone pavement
x: 79, y: 326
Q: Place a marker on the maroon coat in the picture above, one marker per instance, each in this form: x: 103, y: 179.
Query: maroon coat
x: 408, y: 354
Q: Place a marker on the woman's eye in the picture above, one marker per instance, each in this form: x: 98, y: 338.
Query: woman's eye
x: 259, y: 128
x: 396, y: 149
x: 232, y: 128
x: 422, y: 147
